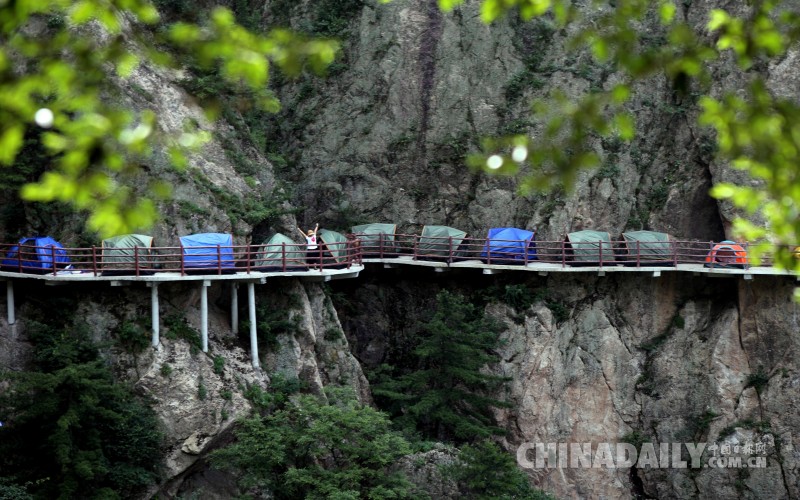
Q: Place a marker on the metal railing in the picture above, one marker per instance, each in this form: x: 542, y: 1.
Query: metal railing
x: 209, y: 260
x: 564, y: 252
x: 287, y: 257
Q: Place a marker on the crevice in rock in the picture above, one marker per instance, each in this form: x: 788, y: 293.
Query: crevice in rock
x: 427, y: 64
x: 637, y: 485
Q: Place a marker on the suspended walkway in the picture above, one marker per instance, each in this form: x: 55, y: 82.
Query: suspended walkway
x: 252, y: 265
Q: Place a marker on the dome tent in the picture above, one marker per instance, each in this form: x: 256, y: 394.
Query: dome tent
x: 126, y: 253
x: 333, y: 248
x: 437, y: 242
x: 588, y: 247
x: 281, y: 253
x: 649, y: 248
x: 509, y: 245
x: 727, y: 254
x: 377, y: 239
x: 208, y: 251
x: 36, y: 254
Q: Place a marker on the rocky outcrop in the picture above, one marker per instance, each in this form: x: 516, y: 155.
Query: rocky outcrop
x: 675, y: 359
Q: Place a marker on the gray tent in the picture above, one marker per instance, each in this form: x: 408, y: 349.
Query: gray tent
x: 649, y: 246
x: 377, y: 239
x: 122, y: 253
x: 435, y: 241
x: 585, y: 246
x: 280, y: 248
x: 334, y: 247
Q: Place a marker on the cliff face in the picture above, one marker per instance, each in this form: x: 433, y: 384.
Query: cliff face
x: 416, y: 89
x: 674, y: 359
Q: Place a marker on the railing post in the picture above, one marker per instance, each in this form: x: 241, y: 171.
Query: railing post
x: 183, y: 266
x: 380, y: 243
x: 674, y: 245
x: 525, y: 247
x: 219, y: 260
x: 283, y: 255
x: 19, y: 259
x: 136, y: 259
x: 450, y: 250
x: 563, y: 253
x: 319, y: 262
x: 53, y: 256
x: 415, y: 246
x: 94, y: 260
x: 638, y: 254
x: 713, y: 257
x: 601, y: 252
x: 249, y: 251
x: 747, y: 255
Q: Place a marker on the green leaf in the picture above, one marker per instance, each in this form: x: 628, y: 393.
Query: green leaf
x: 723, y: 191
x: 11, y: 142
x: 447, y: 5
x: 718, y: 19
x: 667, y: 12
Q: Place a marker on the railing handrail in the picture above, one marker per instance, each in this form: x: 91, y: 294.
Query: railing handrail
x: 223, y: 258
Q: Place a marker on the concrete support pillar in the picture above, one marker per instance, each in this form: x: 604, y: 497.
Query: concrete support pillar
x: 251, y: 311
x: 155, y: 319
x: 204, y: 314
x: 235, y: 308
x: 12, y: 318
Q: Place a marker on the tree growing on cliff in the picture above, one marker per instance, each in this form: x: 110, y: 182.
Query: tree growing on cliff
x: 69, y: 428
x: 55, y: 65
x: 448, y: 393
x: 310, y: 448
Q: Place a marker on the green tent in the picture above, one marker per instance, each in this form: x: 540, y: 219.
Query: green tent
x: 584, y: 246
x: 277, y: 249
x: 376, y: 238
x: 121, y: 253
x: 435, y: 241
x: 334, y: 247
x: 649, y: 245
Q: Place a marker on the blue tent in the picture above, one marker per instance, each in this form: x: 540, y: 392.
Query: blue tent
x: 509, y: 244
x: 207, y: 250
x: 36, y: 255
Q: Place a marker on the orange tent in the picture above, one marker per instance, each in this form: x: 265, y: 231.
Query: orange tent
x: 727, y: 254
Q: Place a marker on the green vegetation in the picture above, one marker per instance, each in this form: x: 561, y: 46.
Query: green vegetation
x: 445, y: 395
x: 69, y: 428
x: 635, y: 438
x: 484, y: 472
x: 219, y: 365
x: 178, y: 328
x: 305, y: 447
x: 757, y: 380
x: 271, y: 322
x: 758, y: 425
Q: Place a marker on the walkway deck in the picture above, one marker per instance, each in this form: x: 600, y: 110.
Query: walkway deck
x: 546, y: 267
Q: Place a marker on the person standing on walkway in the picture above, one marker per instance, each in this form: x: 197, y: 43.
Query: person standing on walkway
x: 312, y: 247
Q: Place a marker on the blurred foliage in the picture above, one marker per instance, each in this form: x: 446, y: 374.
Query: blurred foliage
x: 58, y: 55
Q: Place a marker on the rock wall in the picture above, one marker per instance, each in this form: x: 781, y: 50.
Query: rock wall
x: 384, y: 137
x: 601, y: 359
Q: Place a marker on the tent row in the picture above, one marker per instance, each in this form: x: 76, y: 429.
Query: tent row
x: 508, y: 245
x: 205, y: 251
